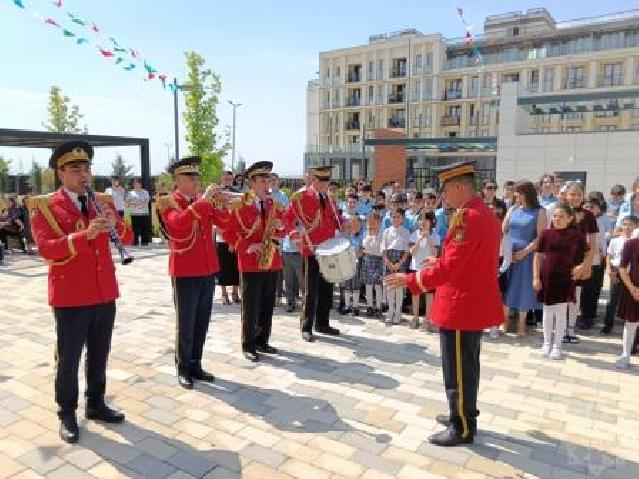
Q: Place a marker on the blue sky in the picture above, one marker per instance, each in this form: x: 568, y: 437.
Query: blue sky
x: 265, y: 53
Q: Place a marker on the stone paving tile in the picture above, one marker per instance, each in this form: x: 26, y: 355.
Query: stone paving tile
x: 360, y: 405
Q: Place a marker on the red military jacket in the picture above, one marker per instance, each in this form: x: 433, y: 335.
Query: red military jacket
x: 246, y: 227
x: 319, y: 224
x: 467, y: 294
x: 81, y: 271
x: 189, y: 227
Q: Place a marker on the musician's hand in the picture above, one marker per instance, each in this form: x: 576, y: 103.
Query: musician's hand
x: 255, y: 248
x: 278, y: 224
x: 211, y: 192
x: 397, y: 280
x: 298, y: 243
x: 109, y: 216
x: 429, y: 262
x: 96, y: 226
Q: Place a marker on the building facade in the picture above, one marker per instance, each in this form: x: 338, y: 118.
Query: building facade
x: 569, y: 78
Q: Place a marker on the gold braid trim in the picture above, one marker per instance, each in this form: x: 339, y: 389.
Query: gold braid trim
x: 41, y: 203
x: 248, y: 232
x: 192, y: 237
x: 308, y: 224
x: 72, y: 254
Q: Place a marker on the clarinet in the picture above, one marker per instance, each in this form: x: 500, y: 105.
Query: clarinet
x: 125, y: 257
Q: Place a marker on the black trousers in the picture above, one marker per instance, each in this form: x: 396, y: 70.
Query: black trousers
x: 76, y: 327
x: 590, y: 295
x: 460, y: 365
x: 613, y: 304
x: 258, y: 299
x: 318, y: 296
x: 141, y: 229
x: 193, y: 299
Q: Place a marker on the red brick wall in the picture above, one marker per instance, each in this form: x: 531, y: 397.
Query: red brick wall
x: 390, y: 161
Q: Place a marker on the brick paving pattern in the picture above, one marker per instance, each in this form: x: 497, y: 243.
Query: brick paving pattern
x: 360, y: 405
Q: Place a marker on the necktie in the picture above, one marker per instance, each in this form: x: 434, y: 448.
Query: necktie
x: 322, y: 199
x: 262, y: 209
x: 83, y: 205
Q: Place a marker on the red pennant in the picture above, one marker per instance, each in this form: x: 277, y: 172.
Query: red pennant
x: 52, y: 22
x: 460, y: 11
x: 95, y: 28
x: 151, y: 76
x: 105, y: 53
x: 134, y: 54
x: 58, y: 3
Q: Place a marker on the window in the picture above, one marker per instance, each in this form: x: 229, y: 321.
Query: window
x: 533, y: 80
x: 429, y: 63
x: 415, y: 94
x: 428, y: 118
x: 485, y: 132
x: 417, y: 67
x: 428, y: 89
x: 485, y: 115
x: 371, y: 95
x: 612, y: 75
x: 369, y: 74
x: 337, y: 72
x: 380, y: 69
x: 576, y: 78
x: 474, y: 87
x: 549, y: 79
x: 609, y: 41
x: 510, y: 77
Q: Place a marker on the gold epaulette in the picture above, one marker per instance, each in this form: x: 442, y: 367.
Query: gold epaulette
x: 41, y: 203
x: 165, y: 202
x: 104, y: 198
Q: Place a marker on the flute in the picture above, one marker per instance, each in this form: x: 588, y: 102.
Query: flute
x: 125, y: 257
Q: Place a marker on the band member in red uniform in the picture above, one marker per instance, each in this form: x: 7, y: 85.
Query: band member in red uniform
x: 317, y: 215
x: 187, y: 220
x: 254, y: 230
x: 467, y: 298
x: 74, y: 239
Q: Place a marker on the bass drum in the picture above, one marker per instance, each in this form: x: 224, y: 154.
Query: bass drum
x: 337, y: 260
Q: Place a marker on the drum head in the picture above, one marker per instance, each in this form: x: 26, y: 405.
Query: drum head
x: 332, y: 246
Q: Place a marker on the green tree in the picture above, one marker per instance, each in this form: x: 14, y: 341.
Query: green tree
x: 240, y: 166
x: 4, y: 175
x: 200, y: 117
x: 63, y: 117
x: 48, y: 180
x: 121, y: 169
x: 35, y: 178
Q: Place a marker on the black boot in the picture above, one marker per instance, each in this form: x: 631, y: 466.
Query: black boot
x: 102, y: 412
x: 200, y: 374
x: 450, y: 437
x: 443, y: 419
x: 69, y: 431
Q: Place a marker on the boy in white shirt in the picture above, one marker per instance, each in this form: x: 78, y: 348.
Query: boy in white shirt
x: 395, y: 253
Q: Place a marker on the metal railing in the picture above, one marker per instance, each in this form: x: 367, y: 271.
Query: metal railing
x: 573, y: 83
x: 615, y: 79
x: 398, y: 72
x: 354, y: 78
x: 352, y: 125
x: 396, y: 122
x: 450, y: 120
x: 353, y: 101
x: 452, y: 95
x: 396, y: 98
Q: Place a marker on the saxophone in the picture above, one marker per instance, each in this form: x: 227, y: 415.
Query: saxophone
x: 268, y: 244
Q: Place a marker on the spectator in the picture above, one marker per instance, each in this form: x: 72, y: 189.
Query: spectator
x: 505, y: 258
x: 281, y: 198
x: 489, y: 192
x: 423, y: 244
x: 629, y: 300
x: 547, y: 190
x: 414, y: 213
x: 632, y: 208
x: 26, y: 224
x: 509, y: 193
x: 615, y: 248
x: 372, y: 270
x: 229, y: 274
x: 138, y: 201
x: 118, y: 193
x: 292, y: 269
x: 365, y: 205
x: 11, y: 225
x: 395, y: 253
x: 351, y: 287
x: 627, y: 206
x: 617, y: 195
x: 525, y: 221
x: 430, y: 202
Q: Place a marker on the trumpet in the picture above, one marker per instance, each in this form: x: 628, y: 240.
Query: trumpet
x: 125, y: 257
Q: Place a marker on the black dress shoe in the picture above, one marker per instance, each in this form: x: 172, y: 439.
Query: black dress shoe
x: 605, y: 331
x: 308, y: 337
x: 185, y: 381
x: 251, y: 356
x: 449, y: 437
x: 202, y: 375
x: 443, y: 419
x: 328, y: 330
x: 104, y: 413
x: 290, y: 308
x: 267, y: 349
x: 69, y: 431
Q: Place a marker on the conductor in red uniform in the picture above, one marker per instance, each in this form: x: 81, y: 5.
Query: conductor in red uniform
x: 467, y: 298
x: 317, y: 215
x: 73, y: 238
x: 254, y: 231
x: 187, y: 220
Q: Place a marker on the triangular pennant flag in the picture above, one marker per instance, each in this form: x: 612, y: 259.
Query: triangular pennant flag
x: 95, y: 28
x: 163, y: 80
x: 76, y: 19
x: 151, y: 76
x: 52, y: 22
x: 149, y: 68
x: 134, y: 54
x: 119, y: 60
x: 18, y: 3
x: 81, y: 41
x: 105, y: 53
x: 58, y: 3
x: 68, y: 33
x: 130, y: 67
x: 460, y: 11
x: 119, y: 50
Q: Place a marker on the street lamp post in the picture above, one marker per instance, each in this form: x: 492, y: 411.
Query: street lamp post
x: 234, y: 105
x: 176, y: 87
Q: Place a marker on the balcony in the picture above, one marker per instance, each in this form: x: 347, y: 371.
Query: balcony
x: 450, y: 120
x: 473, y: 119
x: 398, y: 72
x: 396, y: 97
x: 452, y: 95
x: 396, y: 122
x: 574, y: 83
x: 615, y: 79
x: 352, y: 125
x: 353, y: 101
x: 354, y: 77
x: 533, y: 86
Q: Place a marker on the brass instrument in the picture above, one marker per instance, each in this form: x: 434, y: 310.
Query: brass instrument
x: 125, y: 257
x: 268, y: 244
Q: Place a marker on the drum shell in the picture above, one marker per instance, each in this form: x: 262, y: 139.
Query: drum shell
x: 337, y: 260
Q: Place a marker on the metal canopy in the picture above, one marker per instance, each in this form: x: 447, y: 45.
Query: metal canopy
x: 50, y: 140
x: 577, y: 97
x: 484, y: 143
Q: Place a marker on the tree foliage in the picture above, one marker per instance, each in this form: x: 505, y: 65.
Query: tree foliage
x: 4, y: 174
x: 63, y: 117
x: 48, y: 180
x: 121, y: 169
x: 35, y: 178
x: 200, y: 117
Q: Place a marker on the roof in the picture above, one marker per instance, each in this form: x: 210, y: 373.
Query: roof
x: 47, y: 139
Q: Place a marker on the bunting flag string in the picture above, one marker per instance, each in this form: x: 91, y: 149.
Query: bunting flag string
x: 469, y: 38
x: 123, y: 56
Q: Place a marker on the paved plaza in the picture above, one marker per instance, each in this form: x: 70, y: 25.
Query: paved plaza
x: 360, y: 405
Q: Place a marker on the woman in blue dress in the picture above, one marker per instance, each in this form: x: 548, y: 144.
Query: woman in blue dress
x: 525, y: 221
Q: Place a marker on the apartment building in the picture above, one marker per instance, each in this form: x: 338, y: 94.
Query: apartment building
x: 571, y: 77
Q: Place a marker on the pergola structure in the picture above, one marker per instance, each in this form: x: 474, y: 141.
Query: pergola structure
x: 50, y: 140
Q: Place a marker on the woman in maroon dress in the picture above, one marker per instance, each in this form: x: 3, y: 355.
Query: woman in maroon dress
x: 560, y: 249
x: 629, y: 300
x: 586, y: 224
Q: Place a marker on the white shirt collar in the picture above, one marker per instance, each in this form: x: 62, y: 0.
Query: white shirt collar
x: 74, y: 198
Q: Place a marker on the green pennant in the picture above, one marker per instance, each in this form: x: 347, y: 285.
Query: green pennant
x: 67, y: 33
